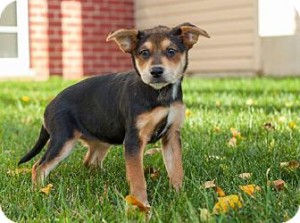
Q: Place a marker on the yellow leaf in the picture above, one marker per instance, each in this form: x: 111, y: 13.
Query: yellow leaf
x: 46, y: 190
x: 25, y: 98
x: 217, y: 129
x: 133, y: 201
x: 220, y: 192
x: 188, y: 113
x: 235, y: 133
x: 292, y: 125
x: 245, y: 176
x: 209, y: 184
x: 232, y: 142
x: 250, y: 189
x: 218, y: 103
x: 18, y: 171
x: 153, y: 151
x: 224, y: 204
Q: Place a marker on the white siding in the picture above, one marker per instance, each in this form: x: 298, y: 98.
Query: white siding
x: 232, y: 24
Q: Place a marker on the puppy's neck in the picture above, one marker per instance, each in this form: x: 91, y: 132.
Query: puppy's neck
x: 170, y: 93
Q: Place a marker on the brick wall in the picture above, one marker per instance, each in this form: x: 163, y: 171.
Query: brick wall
x: 67, y: 37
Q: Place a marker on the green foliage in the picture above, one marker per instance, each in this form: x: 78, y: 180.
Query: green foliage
x: 215, y: 106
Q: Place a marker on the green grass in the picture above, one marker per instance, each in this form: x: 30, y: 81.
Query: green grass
x: 82, y: 195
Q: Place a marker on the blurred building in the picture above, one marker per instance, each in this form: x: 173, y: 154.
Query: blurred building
x: 39, y: 38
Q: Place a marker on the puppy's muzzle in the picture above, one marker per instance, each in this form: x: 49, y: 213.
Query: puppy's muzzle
x: 157, y: 71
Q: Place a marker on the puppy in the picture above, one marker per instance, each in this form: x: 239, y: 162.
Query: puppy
x: 132, y: 108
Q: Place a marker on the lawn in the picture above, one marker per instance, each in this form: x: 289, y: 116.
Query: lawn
x: 264, y: 111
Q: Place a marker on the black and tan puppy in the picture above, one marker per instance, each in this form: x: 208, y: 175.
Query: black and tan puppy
x: 132, y: 108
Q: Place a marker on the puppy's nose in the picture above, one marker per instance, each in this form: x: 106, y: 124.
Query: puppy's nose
x: 157, y: 71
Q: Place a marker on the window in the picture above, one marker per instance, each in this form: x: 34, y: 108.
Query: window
x: 14, y: 43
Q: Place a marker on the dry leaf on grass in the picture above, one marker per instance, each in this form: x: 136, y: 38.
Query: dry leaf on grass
x: 18, y: 171
x: 133, y: 201
x: 209, y: 184
x: 153, y: 151
x: 235, y: 133
x: 220, y: 192
x: 46, y: 190
x: 269, y: 126
x: 232, y: 142
x: 250, y: 189
x: 245, y: 176
x: 154, y: 173
x: 277, y: 184
x: 188, y: 113
x: 294, y: 164
x: 227, y: 203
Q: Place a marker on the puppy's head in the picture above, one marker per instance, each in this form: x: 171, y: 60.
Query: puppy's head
x: 159, y: 54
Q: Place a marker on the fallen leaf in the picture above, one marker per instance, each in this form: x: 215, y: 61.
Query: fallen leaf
x: 292, y: 125
x: 188, y: 113
x: 220, y: 192
x: 46, y: 190
x: 206, y: 216
x: 235, y: 133
x: 153, y: 151
x: 277, y: 184
x: 250, y: 102
x: 18, y: 171
x: 269, y: 126
x: 133, y: 201
x: 232, y: 142
x: 218, y: 103
x: 154, y: 173
x: 25, y: 99
x: 294, y: 164
x: 245, y: 176
x: 217, y: 129
x: 209, y: 184
x: 250, y: 189
x: 224, y: 204
x: 282, y: 119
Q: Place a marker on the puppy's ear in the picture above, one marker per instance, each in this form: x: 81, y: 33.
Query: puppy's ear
x: 189, y: 34
x: 125, y: 38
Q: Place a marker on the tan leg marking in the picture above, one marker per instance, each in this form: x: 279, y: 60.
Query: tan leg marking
x: 172, y: 153
x: 96, y: 153
x: 40, y: 172
x: 134, y: 163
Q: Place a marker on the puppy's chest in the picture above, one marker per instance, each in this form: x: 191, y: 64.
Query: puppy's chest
x: 153, y: 124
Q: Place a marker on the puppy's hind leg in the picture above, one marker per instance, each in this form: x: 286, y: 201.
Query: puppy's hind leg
x: 97, y: 152
x: 59, y: 148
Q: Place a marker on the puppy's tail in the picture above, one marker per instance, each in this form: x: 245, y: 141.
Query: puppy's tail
x: 39, y: 145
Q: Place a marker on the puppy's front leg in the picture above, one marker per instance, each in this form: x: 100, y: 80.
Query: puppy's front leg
x: 173, y: 157
x: 134, y: 169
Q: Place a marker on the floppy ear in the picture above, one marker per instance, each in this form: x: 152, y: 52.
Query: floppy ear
x: 189, y: 34
x: 125, y: 38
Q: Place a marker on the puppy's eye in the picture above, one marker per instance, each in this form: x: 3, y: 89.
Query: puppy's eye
x: 145, y: 54
x: 171, y: 52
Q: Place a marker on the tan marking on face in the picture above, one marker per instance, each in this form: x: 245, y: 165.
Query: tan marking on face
x: 173, y: 66
x: 172, y: 153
